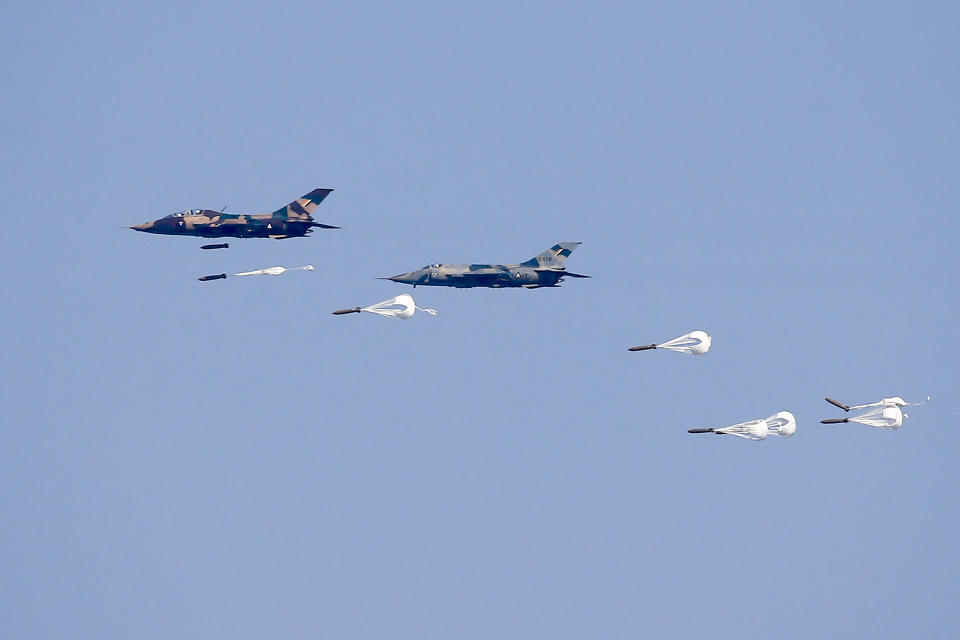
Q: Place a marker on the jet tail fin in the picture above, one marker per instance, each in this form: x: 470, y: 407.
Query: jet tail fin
x: 552, y: 257
x: 303, y: 206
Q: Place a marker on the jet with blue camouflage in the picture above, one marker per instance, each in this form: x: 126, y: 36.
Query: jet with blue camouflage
x: 544, y: 270
x: 292, y: 221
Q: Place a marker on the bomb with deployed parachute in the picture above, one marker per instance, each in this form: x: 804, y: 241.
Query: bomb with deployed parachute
x: 695, y: 343
x: 782, y: 424
x: 401, y: 306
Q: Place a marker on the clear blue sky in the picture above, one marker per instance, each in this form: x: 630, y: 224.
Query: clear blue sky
x: 228, y: 460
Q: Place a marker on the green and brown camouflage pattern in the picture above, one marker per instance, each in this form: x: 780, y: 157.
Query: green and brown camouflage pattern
x: 543, y: 270
x: 291, y: 221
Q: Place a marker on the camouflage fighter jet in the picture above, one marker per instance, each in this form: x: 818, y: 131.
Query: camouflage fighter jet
x: 545, y: 270
x: 291, y: 221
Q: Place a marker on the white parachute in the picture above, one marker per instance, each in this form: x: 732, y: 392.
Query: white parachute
x: 782, y: 424
x: 274, y: 271
x: 896, y: 401
x: 401, y: 306
x: 696, y: 343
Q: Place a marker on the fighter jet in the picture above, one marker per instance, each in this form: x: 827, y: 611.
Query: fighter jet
x: 291, y: 221
x: 545, y: 270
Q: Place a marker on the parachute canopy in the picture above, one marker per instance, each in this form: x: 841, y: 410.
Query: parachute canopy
x: 782, y: 424
x: 696, y: 342
x: 401, y: 306
x: 895, y: 401
x: 274, y: 271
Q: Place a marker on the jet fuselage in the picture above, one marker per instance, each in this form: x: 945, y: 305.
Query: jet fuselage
x: 212, y: 224
x: 544, y: 270
x: 292, y: 221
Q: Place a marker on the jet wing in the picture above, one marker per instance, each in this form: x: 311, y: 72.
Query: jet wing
x: 480, y: 277
x: 228, y: 219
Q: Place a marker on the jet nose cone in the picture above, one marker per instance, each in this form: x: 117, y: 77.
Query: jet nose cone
x: 404, y: 278
x: 146, y: 226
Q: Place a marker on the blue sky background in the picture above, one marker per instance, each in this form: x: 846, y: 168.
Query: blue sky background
x: 227, y: 459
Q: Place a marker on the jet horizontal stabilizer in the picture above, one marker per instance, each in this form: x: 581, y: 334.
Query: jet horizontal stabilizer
x: 562, y: 272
